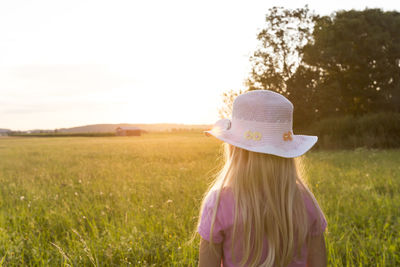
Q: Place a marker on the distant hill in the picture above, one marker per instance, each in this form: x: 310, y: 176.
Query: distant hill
x: 106, y: 128
x: 4, y: 130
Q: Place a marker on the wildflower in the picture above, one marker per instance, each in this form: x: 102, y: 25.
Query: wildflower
x: 22, y: 197
x: 76, y: 193
x: 169, y: 201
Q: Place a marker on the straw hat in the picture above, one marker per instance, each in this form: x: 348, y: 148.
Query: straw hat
x: 262, y: 122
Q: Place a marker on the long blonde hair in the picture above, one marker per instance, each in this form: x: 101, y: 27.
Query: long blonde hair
x: 268, y: 192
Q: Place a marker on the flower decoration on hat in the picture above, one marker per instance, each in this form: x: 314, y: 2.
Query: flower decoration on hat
x: 257, y: 136
x: 219, y: 127
x: 287, y: 136
x: 249, y: 135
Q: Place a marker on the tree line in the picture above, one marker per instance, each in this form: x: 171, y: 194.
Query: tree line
x: 345, y: 64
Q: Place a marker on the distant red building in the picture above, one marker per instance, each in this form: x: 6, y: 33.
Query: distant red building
x: 128, y: 131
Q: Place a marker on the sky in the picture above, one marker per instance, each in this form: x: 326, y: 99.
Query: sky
x: 72, y: 63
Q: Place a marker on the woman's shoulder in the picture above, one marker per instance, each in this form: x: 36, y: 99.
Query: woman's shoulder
x: 224, y: 214
x: 226, y: 204
x: 226, y: 198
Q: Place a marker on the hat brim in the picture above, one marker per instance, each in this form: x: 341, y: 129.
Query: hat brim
x: 296, y: 147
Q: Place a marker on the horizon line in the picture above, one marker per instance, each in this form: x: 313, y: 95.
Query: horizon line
x: 160, y: 123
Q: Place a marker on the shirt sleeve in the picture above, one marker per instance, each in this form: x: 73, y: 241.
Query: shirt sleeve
x: 204, y: 228
x: 319, y: 222
x: 315, y: 230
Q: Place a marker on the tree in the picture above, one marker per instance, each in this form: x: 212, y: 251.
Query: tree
x: 279, y: 54
x: 356, y: 56
x: 278, y: 57
x: 327, y: 66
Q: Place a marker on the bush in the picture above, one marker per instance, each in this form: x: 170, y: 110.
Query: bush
x: 379, y: 130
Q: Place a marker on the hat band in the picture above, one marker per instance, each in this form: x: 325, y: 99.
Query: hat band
x: 254, y: 131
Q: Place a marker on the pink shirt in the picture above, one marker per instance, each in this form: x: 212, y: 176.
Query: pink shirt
x: 223, y: 227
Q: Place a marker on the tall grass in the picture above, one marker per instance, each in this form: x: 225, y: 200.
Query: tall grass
x: 135, y: 201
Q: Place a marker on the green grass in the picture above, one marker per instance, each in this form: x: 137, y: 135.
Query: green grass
x: 134, y: 201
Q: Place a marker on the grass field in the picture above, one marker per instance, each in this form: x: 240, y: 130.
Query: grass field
x: 115, y: 201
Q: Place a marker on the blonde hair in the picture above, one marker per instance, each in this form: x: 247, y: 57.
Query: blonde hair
x: 268, y: 192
